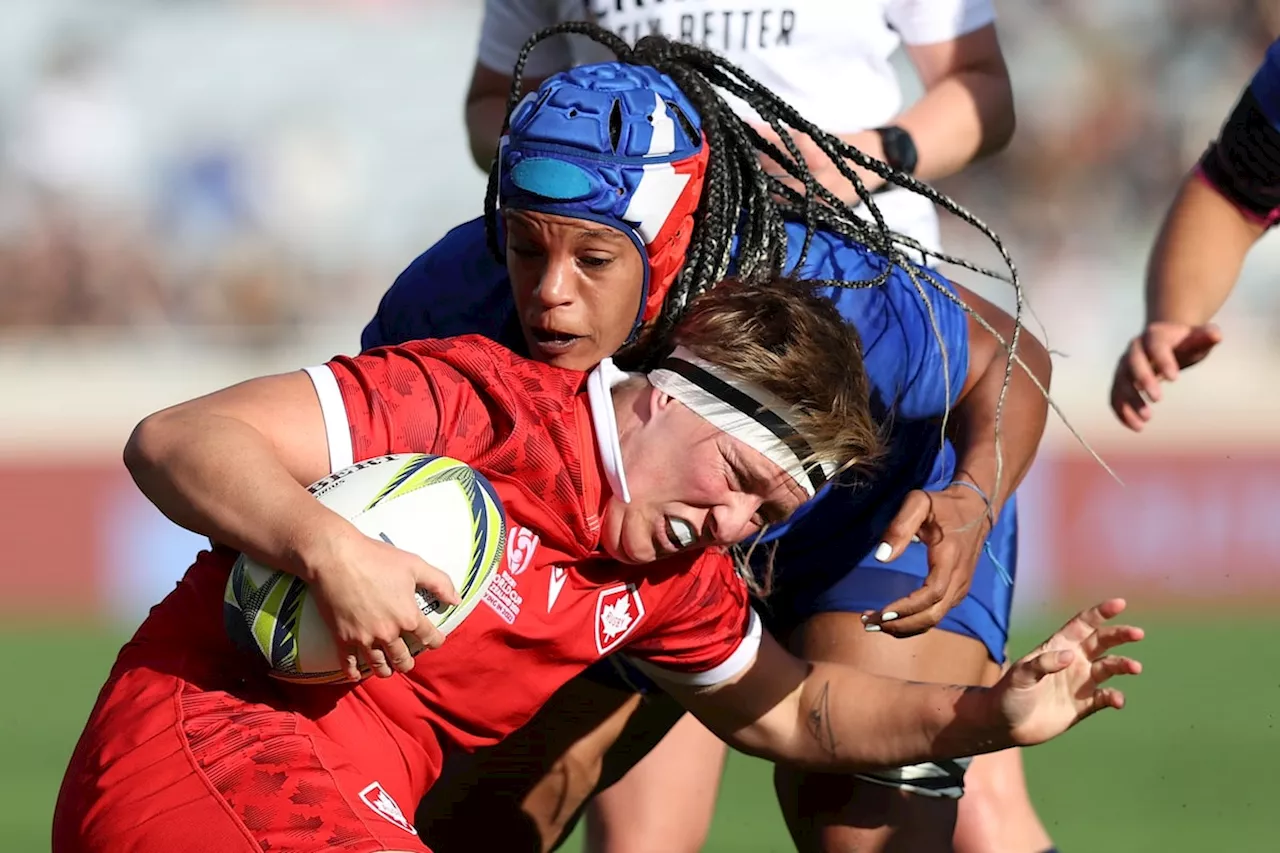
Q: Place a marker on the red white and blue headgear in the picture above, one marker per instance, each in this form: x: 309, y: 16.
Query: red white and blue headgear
x: 616, y: 144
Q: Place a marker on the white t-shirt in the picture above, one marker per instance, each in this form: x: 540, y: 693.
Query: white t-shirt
x: 830, y: 59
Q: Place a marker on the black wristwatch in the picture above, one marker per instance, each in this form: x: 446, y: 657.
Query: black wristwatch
x: 899, y: 148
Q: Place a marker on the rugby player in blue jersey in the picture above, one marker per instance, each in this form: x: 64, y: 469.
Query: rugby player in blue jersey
x: 620, y: 191
x: 1228, y: 201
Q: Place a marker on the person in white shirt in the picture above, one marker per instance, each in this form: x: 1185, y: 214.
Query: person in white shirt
x: 831, y: 60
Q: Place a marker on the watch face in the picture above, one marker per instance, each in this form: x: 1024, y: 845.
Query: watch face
x: 899, y: 149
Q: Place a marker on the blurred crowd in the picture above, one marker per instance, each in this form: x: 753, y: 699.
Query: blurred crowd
x: 120, y: 208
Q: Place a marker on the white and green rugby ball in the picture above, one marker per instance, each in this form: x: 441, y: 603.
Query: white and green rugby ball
x: 438, y: 508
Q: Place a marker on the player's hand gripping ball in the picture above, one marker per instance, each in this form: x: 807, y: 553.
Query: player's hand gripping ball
x: 436, y: 508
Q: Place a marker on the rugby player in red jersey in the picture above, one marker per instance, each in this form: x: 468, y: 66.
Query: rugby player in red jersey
x: 627, y: 487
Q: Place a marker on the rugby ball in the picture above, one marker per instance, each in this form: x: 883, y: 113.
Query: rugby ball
x: 438, y: 508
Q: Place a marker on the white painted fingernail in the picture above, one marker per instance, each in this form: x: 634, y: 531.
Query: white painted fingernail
x: 871, y: 629
x: 915, y: 539
x: 865, y: 617
x: 889, y: 616
x: 883, y: 550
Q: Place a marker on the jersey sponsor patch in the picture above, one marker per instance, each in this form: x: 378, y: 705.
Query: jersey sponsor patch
x: 376, y: 797
x: 503, y: 599
x: 521, y: 543
x: 618, y: 611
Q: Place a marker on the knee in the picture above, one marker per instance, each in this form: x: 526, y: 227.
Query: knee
x: 833, y: 814
x: 864, y: 799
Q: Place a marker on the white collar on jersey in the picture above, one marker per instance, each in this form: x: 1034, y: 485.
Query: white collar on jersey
x: 600, y: 385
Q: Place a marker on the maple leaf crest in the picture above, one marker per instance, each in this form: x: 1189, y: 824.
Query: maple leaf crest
x: 616, y: 618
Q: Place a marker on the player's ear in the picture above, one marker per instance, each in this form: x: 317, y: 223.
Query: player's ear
x: 660, y: 402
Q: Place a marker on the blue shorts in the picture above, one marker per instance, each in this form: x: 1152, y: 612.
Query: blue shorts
x: 825, y: 573
x: 814, y: 576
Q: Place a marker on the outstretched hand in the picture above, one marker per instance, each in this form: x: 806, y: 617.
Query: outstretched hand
x: 1158, y: 355
x: 1060, y: 683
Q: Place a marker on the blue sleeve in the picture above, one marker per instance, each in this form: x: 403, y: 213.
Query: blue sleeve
x: 1266, y: 85
x: 456, y: 287
x: 373, y: 335
x: 380, y: 330
x: 915, y: 344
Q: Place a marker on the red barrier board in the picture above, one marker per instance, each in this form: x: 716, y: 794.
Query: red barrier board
x: 80, y: 540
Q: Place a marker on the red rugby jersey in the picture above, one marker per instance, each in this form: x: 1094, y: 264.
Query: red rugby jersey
x: 558, y: 604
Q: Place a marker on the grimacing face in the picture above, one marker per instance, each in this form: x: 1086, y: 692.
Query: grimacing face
x: 692, y: 485
x: 576, y: 284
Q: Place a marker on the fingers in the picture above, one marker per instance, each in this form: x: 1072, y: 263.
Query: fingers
x: 1129, y: 406
x: 1197, y: 344
x: 950, y: 574
x: 1112, y: 665
x: 1144, y: 378
x: 361, y: 661
x: 917, y: 612
x: 1084, y: 623
x: 908, y: 623
x: 398, y: 656
x: 1134, y: 378
x: 386, y: 658
x: 378, y: 657
x: 1108, y: 637
x: 1108, y: 697
x: 425, y: 634
x: 1030, y: 670
x: 351, y: 667
x: 430, y: 579
x: 906, y: 524
x: 1161, y: 356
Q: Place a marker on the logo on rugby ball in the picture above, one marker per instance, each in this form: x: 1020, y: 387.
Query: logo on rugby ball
x: 376, y: 797
x: 618, y: 611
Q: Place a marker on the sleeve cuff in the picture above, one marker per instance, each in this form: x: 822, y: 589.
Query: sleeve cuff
x: 336, y: 427
x: 734, y: 665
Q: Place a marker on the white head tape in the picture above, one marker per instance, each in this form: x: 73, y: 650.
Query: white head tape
x: 746, y: 411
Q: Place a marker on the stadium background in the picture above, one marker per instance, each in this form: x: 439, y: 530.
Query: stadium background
x: 196, y: 192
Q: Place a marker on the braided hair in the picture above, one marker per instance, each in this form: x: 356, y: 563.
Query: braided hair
x: 742, y: 201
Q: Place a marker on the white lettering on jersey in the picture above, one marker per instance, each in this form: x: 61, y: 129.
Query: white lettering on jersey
x: 502, y: 598
x: 618, y: 611
x: 521, y: 543
x: 558, y: 575
x: 377, y: 798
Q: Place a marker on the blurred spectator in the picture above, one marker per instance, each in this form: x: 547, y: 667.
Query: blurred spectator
x: 77, y: 137
x: 77, y: 164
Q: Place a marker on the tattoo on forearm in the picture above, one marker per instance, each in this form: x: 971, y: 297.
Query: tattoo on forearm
x: 820, y: 720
